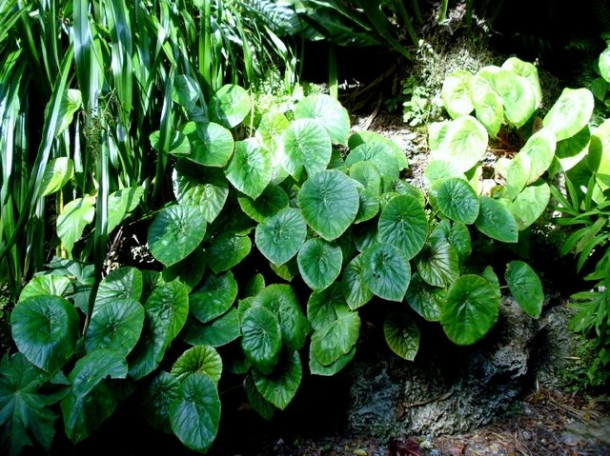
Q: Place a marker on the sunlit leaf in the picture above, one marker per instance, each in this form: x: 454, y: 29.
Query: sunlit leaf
x: 329, y: 112
x: 200, y: 359
x: 280, y: 236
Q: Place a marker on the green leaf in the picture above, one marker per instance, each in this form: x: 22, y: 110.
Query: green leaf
x: 195, y: 413
x: 604, y: 64
x: 175, y: 232
x: 306, y: 146
x: 261, y: 338
x: 74, y: 217
x: 329, y: 203
x: 160, y: 393
x: 188, y: 271
x: 214, y: 297
x: 528, y: 71
x: 121, y: 203
x: 381, y: 155
x: 187, y: 93
x: 456, y: 234
x: 280, y: 386
x: 457, y: 200
x: 250, y: 168
x: 438, y: 264
x: 386, y: 271
x: 530, y: 204
x: 266, y: 204
x: 463, y: 144
x: 518, y: 96
x: 211, y: 144
x: 455, y: 93
x: 571, y: 112
x: 329, y: 112
x: 338, y: 338
x: 355, y: 290
x: 45, y: 285
x: 169, y: 302
x: 373, y: 138
x: 425, y: 299
x: 205, y: 188
x: 123, y: 283
x: 282, y: 301
x: 496, y: 221
x: 24, y: 413
x: 316, y: 368
x: 216, y: 333
x: 471, y: 309
x: 324, y: 306
x: 490, y: 112
x: 440, y: 169
x: 525, y: 286
x: 200, y: 359
x: 57, y: 173
x: 116, y: 325
x: 280, y: 236
x: 230, y: 105
x: 45, y: 330
x: 261, y: 405
x: 94, y: 367
x: 403, y: 223
x: 402, y: 335
x: 151, y: 347
x: 71, y: 102
x: 227, y: 251
x: 319, y: 263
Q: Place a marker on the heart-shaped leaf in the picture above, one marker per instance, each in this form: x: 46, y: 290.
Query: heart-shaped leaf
x: 200, y: 359
x: 115, y: 325
x: 525, y: 286
x: 456, y: 199
x: 336, y: 339
x: 261, y: 405
x: 319, y: 263
x: 125, y: 282
x: 57, y: 173
x: 425, y: 299
x: 214, y: 297
x: 570, y: 113
x: 329, y: 112
x: 45, y: 285
x: 121, y: 203
x: 280, y: 236
x: 438, y: 264
x: 169, y: 303
x: 529, y: 205
x: 261, y: 338
x: 403, y: 223
x: 456, y: 234
x: 250, y: 168
x: 280, y: 386
x: 227, y: 251
x: 307, y: 146
x: 456, y: 93
x: 324, y: 306
x: 402, y: 335
x: 462, y: 143
x: 211, y: 144
x: 496, y: 221
x: 266, y: 204
x: 355, y: 290
x: 216, y: 333
x: 386, y: 271
x: 316, y: 368
x: 230, y: 105
x: 518, y: 96
x: 160, y: 393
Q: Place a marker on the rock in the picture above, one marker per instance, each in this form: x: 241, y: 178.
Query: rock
x: 448, y: 389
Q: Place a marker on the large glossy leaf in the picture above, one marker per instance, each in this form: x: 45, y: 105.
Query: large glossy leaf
x: 324, y: 306
x: 403, y: 223
x: 329, y: 203
x: 462, y: 143
x: 227, y: 250
x: 115, y: 325
x: 214, y: 297
x: 160, y: 392
x: 93, y: 368
x: 528, y: 71
x: 200, y: 359
x: 336, y: 339
x: 195, y: 413
x: 438, y: 264
x: 518, y: 96
x: 282, y: 301
x: 249, y: 170
x: 402, y: 335
x: 329, y: 112
x: 230, y: 105
x: 456, y: 93
x: 471, y: 309
x: 175, y: 232
x: 266, y: 204
x: 26, y: 416
x: 261, y: 405
x: 381, y: 155
x: 123, y: 283
x: 74, y: 217
x: 211, y: 144
x: 307, y: 146
x: 170, y: 303
x: 386, y: 271
x: 121, y: 203
x: 457, y: 200
x: 57, y: 173
x: 525, y: 286
x: 570, y: 113
x: 425, y: 299
x: 151, y: 347
x: 319, y: 263
x: 216, y: 333
x: 280, y: 386
x: 317, y: 368
x: 205, y: 188
x: 45, y: 330
x: 530, y: 204
x: 280, y: 236
x: 496, y: 221
x: 261, y: 338
x: 456, y: 234
x: 355, y: 290
x: 373, y: 138
x: 45, y: 285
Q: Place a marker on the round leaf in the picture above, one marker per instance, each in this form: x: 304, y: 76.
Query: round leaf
x: 227, y: 250
x: 319, y: 263
x: 425, y: 299
x: 115, y: 325
x: 525, y: 286
x: 216, y: 333
x: 281, y: 385
x: 121, y: 203
x: 336, y: 339
x: 280, y: 236
x: 56, y: 174
x: 266, y: 204
x: 386, y: 271
x: 463, y: 144
x: 45, y: 330
x: 329, y: 202
x: 188, y: 271
x: 214, y: 297
x: 438, y: 264
x: 211, y: 144
x: 261, y: 338
x: 456, y: 93
x: 456, y: 234
x: 571, y: 112
x: 379, y: 154
x: 250, y: 168
x: 530, y: 204
x: 457, y: 200
x: 200, y: 359
x: 518, y: 96
x: 45, y: 285
x: 471, y: 309
x: 123, y: 283
x: 355, y: 290
x: 306, y: 146
x: 329, y: 112
x: 230, y: 105
x: 195, y: 413
x: 496, y: 221
x: 175, y: 233
x: 402, y: 336
x: 490, y: 112
x: 168, y: 305
x: 324, y: 306
x: 403, y: 223
x: 528, y: 71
